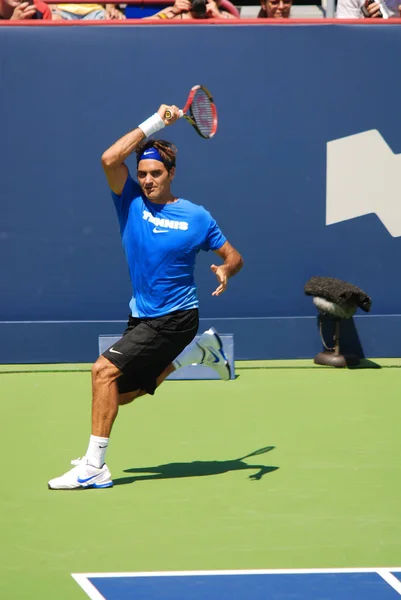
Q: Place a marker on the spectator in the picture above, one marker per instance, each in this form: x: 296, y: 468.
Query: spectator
x: 360, y: 9
x: 72, y: 12
x: 197, y: 9
x: 275, y: 9
x: 17, y: 10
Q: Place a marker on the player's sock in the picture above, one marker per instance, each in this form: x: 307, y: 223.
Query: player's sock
x: 191, y: 356
x: 97, y: 451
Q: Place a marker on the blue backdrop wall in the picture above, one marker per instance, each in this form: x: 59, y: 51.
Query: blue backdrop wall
x: 283, y: 92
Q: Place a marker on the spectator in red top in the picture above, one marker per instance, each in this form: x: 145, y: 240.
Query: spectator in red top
x: 19, y: 10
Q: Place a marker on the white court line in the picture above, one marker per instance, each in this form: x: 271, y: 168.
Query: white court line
x: 390, y: 579
x: 240, y: 572
x: 83, y: 578
x: 87, y: 586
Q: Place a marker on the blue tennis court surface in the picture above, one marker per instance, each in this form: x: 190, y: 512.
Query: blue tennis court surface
x: 330, y: 584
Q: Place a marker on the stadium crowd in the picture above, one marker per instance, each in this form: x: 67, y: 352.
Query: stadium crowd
x: 188, y: 9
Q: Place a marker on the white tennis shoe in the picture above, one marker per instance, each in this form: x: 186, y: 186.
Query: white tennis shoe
x: 213, y: 353
x: 82, y: 476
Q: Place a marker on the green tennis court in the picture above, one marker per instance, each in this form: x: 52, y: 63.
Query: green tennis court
x: 321, y: 489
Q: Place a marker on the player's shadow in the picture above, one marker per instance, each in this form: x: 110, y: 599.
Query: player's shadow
x: 198, y: 468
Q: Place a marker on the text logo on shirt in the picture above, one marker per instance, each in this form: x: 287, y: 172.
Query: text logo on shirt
x: 166, y: 223
x: 354, y: 188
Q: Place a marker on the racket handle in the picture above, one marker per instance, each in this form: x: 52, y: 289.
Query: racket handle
x: 168, y: 114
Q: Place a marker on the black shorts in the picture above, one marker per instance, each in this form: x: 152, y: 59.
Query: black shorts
x: 148, y: 346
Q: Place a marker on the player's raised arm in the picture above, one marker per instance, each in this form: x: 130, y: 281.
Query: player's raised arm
x: 233, y: 262
x: 113, y: 158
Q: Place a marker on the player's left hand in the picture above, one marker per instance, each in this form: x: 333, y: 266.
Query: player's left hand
x: 222, y: 278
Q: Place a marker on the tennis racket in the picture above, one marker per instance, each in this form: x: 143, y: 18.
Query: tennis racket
x: 200, y: 111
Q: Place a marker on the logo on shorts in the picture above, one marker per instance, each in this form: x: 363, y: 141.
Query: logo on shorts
x: 114, y: 351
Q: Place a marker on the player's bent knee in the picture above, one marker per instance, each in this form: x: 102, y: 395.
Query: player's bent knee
x: 129, y: 397
x: 103, y: 369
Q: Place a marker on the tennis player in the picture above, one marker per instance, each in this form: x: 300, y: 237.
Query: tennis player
x: 161, y: 235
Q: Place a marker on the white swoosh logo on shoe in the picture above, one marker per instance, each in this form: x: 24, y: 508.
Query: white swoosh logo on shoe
x: 155, y: 230
x: 216, y: 358
x: 87, y: 479
x: 114, y: 351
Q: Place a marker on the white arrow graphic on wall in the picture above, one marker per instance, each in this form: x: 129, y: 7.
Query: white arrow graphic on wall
x: 363, y: 177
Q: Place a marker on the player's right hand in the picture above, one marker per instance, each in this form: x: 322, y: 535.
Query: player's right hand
x: 23, y: 11
x: 174, y: 110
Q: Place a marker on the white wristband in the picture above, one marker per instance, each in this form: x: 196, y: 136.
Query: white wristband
x: 152, y: 125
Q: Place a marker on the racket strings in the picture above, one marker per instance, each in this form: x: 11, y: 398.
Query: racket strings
x: 203, y: 113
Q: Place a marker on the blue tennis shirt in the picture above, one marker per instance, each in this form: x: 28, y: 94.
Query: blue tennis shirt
x: 161, y: 242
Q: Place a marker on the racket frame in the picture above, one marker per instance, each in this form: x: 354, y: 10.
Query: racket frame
x: 187, y: 113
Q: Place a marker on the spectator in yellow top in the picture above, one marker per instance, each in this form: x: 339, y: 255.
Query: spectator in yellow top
x: 71, y: 12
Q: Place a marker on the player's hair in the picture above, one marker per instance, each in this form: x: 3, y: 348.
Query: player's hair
x: 167, y: 151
